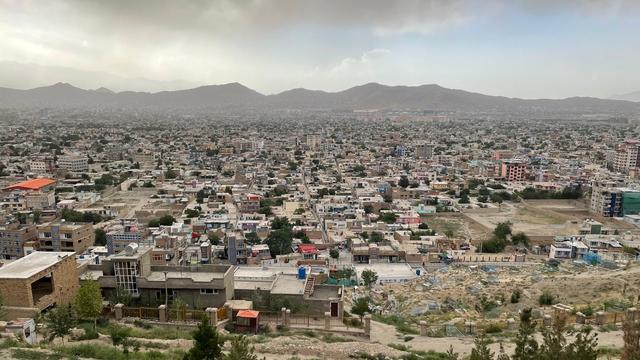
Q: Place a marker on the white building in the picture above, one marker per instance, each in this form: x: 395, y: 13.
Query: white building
x: 74, y: 163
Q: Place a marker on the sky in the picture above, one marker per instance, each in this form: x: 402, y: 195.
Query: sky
x: 515, y: 48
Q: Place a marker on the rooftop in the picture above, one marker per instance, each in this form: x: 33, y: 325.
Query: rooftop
x: 32, y: 264
x: 33, y: 184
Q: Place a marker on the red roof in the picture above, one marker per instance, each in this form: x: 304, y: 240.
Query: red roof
x: 248, y: 314
x: 33, y: 184
x: 307, y: 248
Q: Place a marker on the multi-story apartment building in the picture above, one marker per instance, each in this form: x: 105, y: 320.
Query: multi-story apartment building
x: 514, y: 170
x: 74, y: 163
x: 249, y: 203
x: 65, y: 236
x: 120, y: 235
x: 13, y: 237
x: 42, y: 165
x: 626, y: 156
x: 313, y: 141
x: 424, y: 151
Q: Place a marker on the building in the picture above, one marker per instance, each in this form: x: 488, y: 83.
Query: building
x: 42, y: 165
x: 34, y: 194
x: 514, y: 170
x: 313, y: 141
x: 120, y: 235
x: 424, y: 151
x: 626, y: 157
x: 198, y: 286
x: 65, y: 236
x: 13, y: 238
x: 250, y: 203
x: 38, y: 281
x: 74, y: 163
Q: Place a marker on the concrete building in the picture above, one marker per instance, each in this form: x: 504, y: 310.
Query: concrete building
x: 65, y: 236
x: 313, y: 141
x: 626, y: 157
x: 13, y: 238
x: 74, y: 163
x: 201, y: 286
x: 38, y: 281
x: 424, y: 151
x: 514, y: 170
x: 120, y: 235
x: 33, y: 194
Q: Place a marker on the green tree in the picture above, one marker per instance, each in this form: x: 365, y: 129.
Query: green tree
x: 360, y: 306
x: 241, y: 349
x: 280, y: 223
x: 389, y: 217
x: 404, y: 181
x: 120, y: 336
x: 171, y: 174
x: 375, y: 237
x: 369, y: 277
x: 166, y: 220
x: 520, y: 238
x: 280, y: 241
x: 213, y: 238
x: 59, y: 322
x: 100, y: 237
x: 480, y: 349
x: 502, y: 230
x: 334, y: 253
x: 423, y: 226
x: 252, y: 238
x: 368, y: 209
x: 526, y: 344
x: 88, y: 301
x: 206, y: 343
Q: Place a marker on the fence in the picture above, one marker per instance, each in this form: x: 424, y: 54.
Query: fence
x: 186, y: 315
x: 141, y: 312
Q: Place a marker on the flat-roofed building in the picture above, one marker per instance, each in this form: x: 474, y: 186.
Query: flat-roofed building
x: 38, y: 281
x: 74, y: 163
x: 13, y: 237
x: 65, y: 236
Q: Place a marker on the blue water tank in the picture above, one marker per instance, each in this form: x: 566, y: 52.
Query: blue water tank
x: 302, y: 272
x: 418, y: 272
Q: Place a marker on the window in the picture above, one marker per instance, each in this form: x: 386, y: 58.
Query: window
x: 208, y: 291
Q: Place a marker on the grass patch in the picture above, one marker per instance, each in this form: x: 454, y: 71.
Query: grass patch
x: 34, y: 355
x: 332, y: 338
x: 400, y: 323
x: 102, y: 352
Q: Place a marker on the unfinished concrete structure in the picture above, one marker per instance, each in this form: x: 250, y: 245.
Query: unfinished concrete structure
x: 38, y: 281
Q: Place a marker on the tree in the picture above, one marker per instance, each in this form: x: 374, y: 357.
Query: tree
x: 171, y: 174
x: 280, y: 223
x: 404, y: 181
x: 206, y: 343
x: 100, y: 237
x: 360, y: 306
x: 423, y: 226
x: 526, y: 344
x: 389, y: 217
x: 502, y: 230
x: 59, y: 322
x: 120, y: 336
x: 88, y: 301
x: 280, y: 241
x: 464, y: 199
x: 631, y: 340
x: 335, y: 254
x: 520, y: 238
x: 450, y: 354
x: 369, y: 277
x: 480, y: 349
x: 368, y: 209
x: 375, y: 237
x: 213, y: 238
x: 241, y: 350
x: 252, y: 238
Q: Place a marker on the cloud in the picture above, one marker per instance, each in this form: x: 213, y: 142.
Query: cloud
x: 363, y: 66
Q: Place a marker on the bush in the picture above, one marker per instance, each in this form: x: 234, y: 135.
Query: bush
x: 515, y: 296
x: 141, y: 324
x: 492, y: 328
x: 546, y: 299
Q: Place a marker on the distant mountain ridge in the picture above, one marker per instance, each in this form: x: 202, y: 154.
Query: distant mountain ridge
x: 367, y: 96
x: 632, y: 96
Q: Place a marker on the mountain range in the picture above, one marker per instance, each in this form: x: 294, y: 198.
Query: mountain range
x: 368, y: 96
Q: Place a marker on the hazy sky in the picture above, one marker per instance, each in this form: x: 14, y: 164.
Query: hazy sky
x: 523, y: 48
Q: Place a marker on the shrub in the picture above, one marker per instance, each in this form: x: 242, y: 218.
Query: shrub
x: 515, y: 296
x: 546, y: 299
